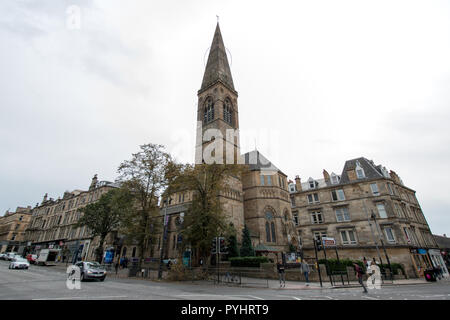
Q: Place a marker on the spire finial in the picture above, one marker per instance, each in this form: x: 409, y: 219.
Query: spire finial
x: 217, y: 18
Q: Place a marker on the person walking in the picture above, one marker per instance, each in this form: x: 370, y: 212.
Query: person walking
x: 305, y: 270
x: 359, y: 274
x: 281, y: 274
x: 116, y: 266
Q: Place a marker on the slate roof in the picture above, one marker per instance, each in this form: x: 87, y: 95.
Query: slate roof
x: 443, y: 242
x: 371, y: 171
x: 256, y: 161
x: 217, y: 67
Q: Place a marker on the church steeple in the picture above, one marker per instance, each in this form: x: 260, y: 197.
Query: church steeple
x: 217, y: 67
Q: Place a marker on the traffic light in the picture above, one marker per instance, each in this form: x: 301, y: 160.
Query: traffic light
x: 222, y: 245
x: 214, y: 245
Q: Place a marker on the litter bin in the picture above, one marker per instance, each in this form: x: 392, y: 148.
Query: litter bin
x: 430, y: 275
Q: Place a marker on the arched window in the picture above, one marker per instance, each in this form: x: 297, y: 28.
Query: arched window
x: 208, y: 112
x: 267, y: 232
x: 227, y: 111
x: 274, y: 239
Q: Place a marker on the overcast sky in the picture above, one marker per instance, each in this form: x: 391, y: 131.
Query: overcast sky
x: 319, y: 83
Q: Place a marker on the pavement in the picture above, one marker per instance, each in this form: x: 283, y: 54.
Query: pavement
x: 49, y: 283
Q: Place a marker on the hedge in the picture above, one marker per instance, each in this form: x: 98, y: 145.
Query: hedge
x: 248, y: 261
x: 394, y: 266
x: 334, y: 266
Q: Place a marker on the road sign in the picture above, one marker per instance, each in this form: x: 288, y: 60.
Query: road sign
x: 328, y: 242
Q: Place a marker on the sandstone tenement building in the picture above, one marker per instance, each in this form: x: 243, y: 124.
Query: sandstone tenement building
x: 12, y: 229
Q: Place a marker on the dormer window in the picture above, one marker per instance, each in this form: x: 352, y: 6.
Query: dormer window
x: 312, y: 183
x: 359, y: 171
x: 334, y: 178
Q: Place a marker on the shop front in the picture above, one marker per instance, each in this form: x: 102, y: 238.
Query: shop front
x: 420, y: 260
x: 438, y: 261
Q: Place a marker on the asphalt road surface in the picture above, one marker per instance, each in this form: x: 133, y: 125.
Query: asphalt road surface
x: 45, y: 283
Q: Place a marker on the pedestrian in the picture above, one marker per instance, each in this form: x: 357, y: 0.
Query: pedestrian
x: 374, y: 261
x: 168, y: 265
x: 366, y: 265
x: 281, y: 274
x: 359, y: 274
x: 305, y: 269
x: 116, y: 266
x: 125, y: 262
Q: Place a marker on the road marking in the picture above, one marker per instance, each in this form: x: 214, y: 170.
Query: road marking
x: 296, y: 298
x: 254, y: 297
x: 371, y: 298
x: 81, y: 297
x: 217, y: 295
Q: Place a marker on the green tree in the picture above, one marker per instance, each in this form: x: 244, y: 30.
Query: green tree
x: 247, y: 247
x: 104, y: 216
x: 204, y: 219
x: 145, y: 176
x: 233, y: 250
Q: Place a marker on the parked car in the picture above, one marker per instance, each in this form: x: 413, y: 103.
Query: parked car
x: 91, y: 270
x: 32, y: 258
x: 11, y: 255
x: 19, y: 263
x: 3, y: 256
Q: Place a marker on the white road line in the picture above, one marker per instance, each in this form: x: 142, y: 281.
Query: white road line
x: 370, y: 298
x: 81, y: 297
x: 217, y: 295
x: 257, y: 298
x: 296, y: 298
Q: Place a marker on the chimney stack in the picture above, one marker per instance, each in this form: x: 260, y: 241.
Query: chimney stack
x: 326, y: 176
x: 94, y: 182
x: 298, y: 184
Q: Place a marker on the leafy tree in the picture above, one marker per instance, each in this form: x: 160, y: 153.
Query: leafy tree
x: 205, y: 219
x: 104, y: 216
x: 145, y: 176
x: 247, y: 247
x: 233, y: 250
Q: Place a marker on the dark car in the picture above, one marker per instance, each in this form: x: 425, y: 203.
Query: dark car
x: 91, y: 270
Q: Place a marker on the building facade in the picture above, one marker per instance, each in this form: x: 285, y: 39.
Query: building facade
x: 53, y: 223
x: 260, y: 197
x: 368, y: 211
x: 12, y: 229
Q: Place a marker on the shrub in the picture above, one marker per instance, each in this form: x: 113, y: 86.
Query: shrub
x: 248, y: 261
x: 334, y: 266
x: 394, y: 266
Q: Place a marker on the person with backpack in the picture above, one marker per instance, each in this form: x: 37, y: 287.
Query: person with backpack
x: 359, y: 273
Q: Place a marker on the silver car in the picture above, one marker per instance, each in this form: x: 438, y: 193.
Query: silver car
x: 19, y: 263
x: 91, y: 270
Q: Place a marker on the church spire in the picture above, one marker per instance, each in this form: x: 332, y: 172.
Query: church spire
x: 217, y: 67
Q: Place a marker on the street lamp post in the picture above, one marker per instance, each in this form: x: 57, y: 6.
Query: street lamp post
x: 374, y: 217
x: 163, y: 241
x: 371, y: 231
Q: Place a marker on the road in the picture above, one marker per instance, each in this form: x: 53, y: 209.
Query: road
x: 47, y: 283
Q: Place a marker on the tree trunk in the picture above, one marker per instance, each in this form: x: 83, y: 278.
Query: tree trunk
x: 100, y: 250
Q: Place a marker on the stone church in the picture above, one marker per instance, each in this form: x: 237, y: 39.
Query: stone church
x: 260, y: 198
